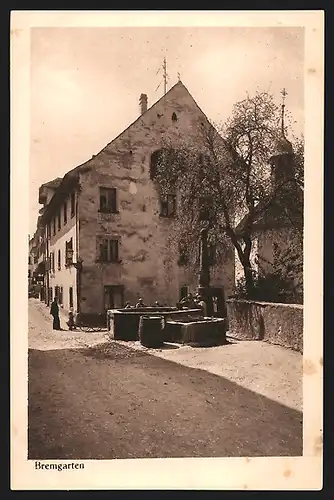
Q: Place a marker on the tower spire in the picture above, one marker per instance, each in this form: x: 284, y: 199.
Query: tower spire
x: 284, y: 94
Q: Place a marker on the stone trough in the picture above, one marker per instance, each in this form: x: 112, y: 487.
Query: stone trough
x: 123, y: 324
x: 201, y: 332
x: 186, y: 326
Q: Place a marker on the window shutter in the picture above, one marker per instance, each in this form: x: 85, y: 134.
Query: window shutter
x: 172, y: 204
x: 164, y: 208
x: 104, y: 251
x: 113, y: 250
x: 111, y: 196
x: 103, y: 201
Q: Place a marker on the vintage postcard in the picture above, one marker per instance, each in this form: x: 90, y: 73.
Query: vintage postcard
x: 166, y: 239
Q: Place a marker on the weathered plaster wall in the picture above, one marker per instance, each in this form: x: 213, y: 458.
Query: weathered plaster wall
x: 280, y: 324
x: 284, y: 238
x: 148, y: 252
x: 66, y: 276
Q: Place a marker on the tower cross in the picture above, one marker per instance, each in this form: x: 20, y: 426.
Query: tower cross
x: 284, y: 94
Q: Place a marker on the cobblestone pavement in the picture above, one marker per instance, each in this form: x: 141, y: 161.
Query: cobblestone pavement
x: 94, y: 398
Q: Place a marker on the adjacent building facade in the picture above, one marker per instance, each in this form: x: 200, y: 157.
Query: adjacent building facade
x: 107, y: 234
x: 279, y: 228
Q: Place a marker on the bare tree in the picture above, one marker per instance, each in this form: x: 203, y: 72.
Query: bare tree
x: 224, y: 181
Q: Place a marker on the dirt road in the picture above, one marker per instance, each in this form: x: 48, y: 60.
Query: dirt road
x: 92, y: 399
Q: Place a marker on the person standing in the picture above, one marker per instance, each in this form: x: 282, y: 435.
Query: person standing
x: 54, y: 311
x: 140, y: 303
x: 202, y: 305
x: 71, y: 322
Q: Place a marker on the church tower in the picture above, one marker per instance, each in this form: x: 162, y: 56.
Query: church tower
x: 282, y: 166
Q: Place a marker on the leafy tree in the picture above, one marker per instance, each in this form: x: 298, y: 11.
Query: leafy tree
x: 279, y: 280
x: 225, y: 178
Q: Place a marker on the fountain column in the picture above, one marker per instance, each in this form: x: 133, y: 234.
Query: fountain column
x: 204, y: 272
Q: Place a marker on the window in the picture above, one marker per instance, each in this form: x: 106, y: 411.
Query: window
x: 69, y: 252
x: 183, y: 255
x: 113, y: 296
x: 205, y: 208
x: 61, y: 295
x: 108, y: 200
x: 29, y: 262
x: 174, y: 117
x: 59, y: 220
x: 65, y: 213
x: 54, y: 226
x: 70, y: 295
x: 109, y: 250
x: 59, y: 262
x: 52, y: 264
x: 57, y: 292
x: 50, y: 294
x: 164, y: 157
x: 72, y: 204
x: 168, y: 206
x: 156, y: 156
x: 184, y: 291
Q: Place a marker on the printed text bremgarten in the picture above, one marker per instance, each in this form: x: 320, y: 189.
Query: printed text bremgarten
x: 60, y: 467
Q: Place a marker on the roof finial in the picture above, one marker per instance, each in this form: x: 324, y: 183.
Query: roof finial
x: 165, y: 75
x: 284, y: 94
x: 178, y: 77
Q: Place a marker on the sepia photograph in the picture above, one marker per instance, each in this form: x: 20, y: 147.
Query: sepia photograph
x: 165, y: 250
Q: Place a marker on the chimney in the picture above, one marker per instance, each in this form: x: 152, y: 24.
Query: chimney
x: 143, y: 103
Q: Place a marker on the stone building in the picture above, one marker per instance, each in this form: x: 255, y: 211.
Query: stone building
x: 279, y: 228
x: 36, y: 269
x: 31, y: 260
x: 107, y: 232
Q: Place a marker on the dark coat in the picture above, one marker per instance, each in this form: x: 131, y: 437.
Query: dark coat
x: 54, y: 309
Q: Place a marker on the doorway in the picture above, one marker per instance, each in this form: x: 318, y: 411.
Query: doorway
x: 113, y: 297
x: 218, y: 302
x: 184, y: 291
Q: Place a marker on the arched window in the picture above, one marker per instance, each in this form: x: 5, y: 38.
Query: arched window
x: 174, y: 117
x: 155, y: 157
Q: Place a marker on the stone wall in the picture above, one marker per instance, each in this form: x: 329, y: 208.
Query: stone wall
x: 280, y: 324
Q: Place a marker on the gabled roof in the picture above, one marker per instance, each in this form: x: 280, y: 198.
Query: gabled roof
x: 268, y: 212
x: 71, y: 177
x: 53, y: 184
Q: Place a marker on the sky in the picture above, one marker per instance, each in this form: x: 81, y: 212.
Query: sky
x: 85, y: 83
